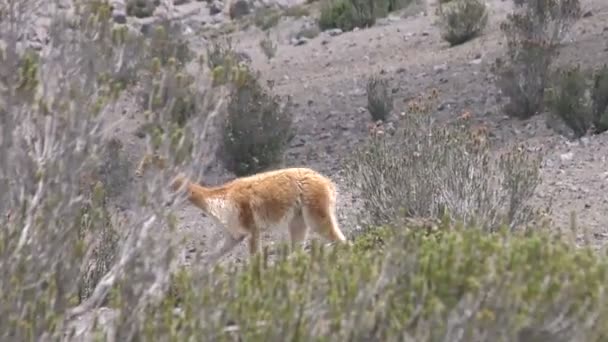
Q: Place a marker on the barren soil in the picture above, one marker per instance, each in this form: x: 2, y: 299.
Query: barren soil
x: 326, y: 78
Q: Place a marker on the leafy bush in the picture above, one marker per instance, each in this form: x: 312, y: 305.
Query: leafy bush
x: 257, y: 128
x: 348, y: 14
x: 142, y: 8
x: 379, y: 98
x: 579, y: 101
x: 451, y: 285
x: 534, y: 31
x: 462, y: 20
x: 427, y: 170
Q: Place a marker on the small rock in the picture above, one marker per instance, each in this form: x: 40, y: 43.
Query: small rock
x: 587, y: 14
x: 566, y: 156
x: 440, y: 68
x: 299, y: 41
x: 334, y: 32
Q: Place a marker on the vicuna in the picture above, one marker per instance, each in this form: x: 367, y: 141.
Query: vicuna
x: 297, y: 199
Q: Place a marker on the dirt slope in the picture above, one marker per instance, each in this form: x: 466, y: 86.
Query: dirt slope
x: 326, y: 78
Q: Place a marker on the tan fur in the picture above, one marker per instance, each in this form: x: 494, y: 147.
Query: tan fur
x: 295, y: 198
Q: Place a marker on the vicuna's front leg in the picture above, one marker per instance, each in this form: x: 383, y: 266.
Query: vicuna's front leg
x: 297, y: 230
x: 254, y: 241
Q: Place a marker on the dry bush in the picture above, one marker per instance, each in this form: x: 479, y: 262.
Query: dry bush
x: 59, y: 254
x: 579, y: 100
x: 534, y: 32
x: 379, y: 98
x: 462, y: 20
x: 266, y: 18
x: 258, y: 126
x: 268, y: 47
x: 427, y: 170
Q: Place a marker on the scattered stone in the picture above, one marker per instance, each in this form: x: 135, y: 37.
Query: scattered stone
x: 299, y: 41
x: 334, y: 32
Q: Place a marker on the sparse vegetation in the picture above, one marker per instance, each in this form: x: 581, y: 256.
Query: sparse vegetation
x: 462, y: 20
x: 533, y: 32
x: 580, y: 101
x: 452, y: 248
x: 379, y: 98
x: 257, y: 128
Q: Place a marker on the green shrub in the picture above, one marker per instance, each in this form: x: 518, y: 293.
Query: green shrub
x: 568, y: 100
x: 428, y: 170
x: 348, y: 14
x: 600, y: 99
x: 379, y: 98
x: 257, y: 128
x: 534, y: 32
x: 142, y: 8
x: 462, y: 20
x: 579, y: 101
x: 454, y: 284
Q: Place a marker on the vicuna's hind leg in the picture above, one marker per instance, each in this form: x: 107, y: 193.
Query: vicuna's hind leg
x: 297, y: 230
x: 229, y: 243
x: 320, y: 217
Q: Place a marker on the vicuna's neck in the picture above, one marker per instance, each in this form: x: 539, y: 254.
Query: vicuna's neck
x: 197, y: 194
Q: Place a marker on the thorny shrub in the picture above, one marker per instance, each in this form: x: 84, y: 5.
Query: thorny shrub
x: 580, y: 101
x: 430, y: 170
x: 454, y: 284
x: 379, y: 98
x: 268, y: 47
x: 462, y: 20
x: 59, y: 255
x: 258, y: 126
x: 534, y: 32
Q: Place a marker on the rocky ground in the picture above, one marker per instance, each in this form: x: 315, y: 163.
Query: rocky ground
x: 326, y: 76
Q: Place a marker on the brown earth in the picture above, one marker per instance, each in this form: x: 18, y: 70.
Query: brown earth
x: 326, y: 78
